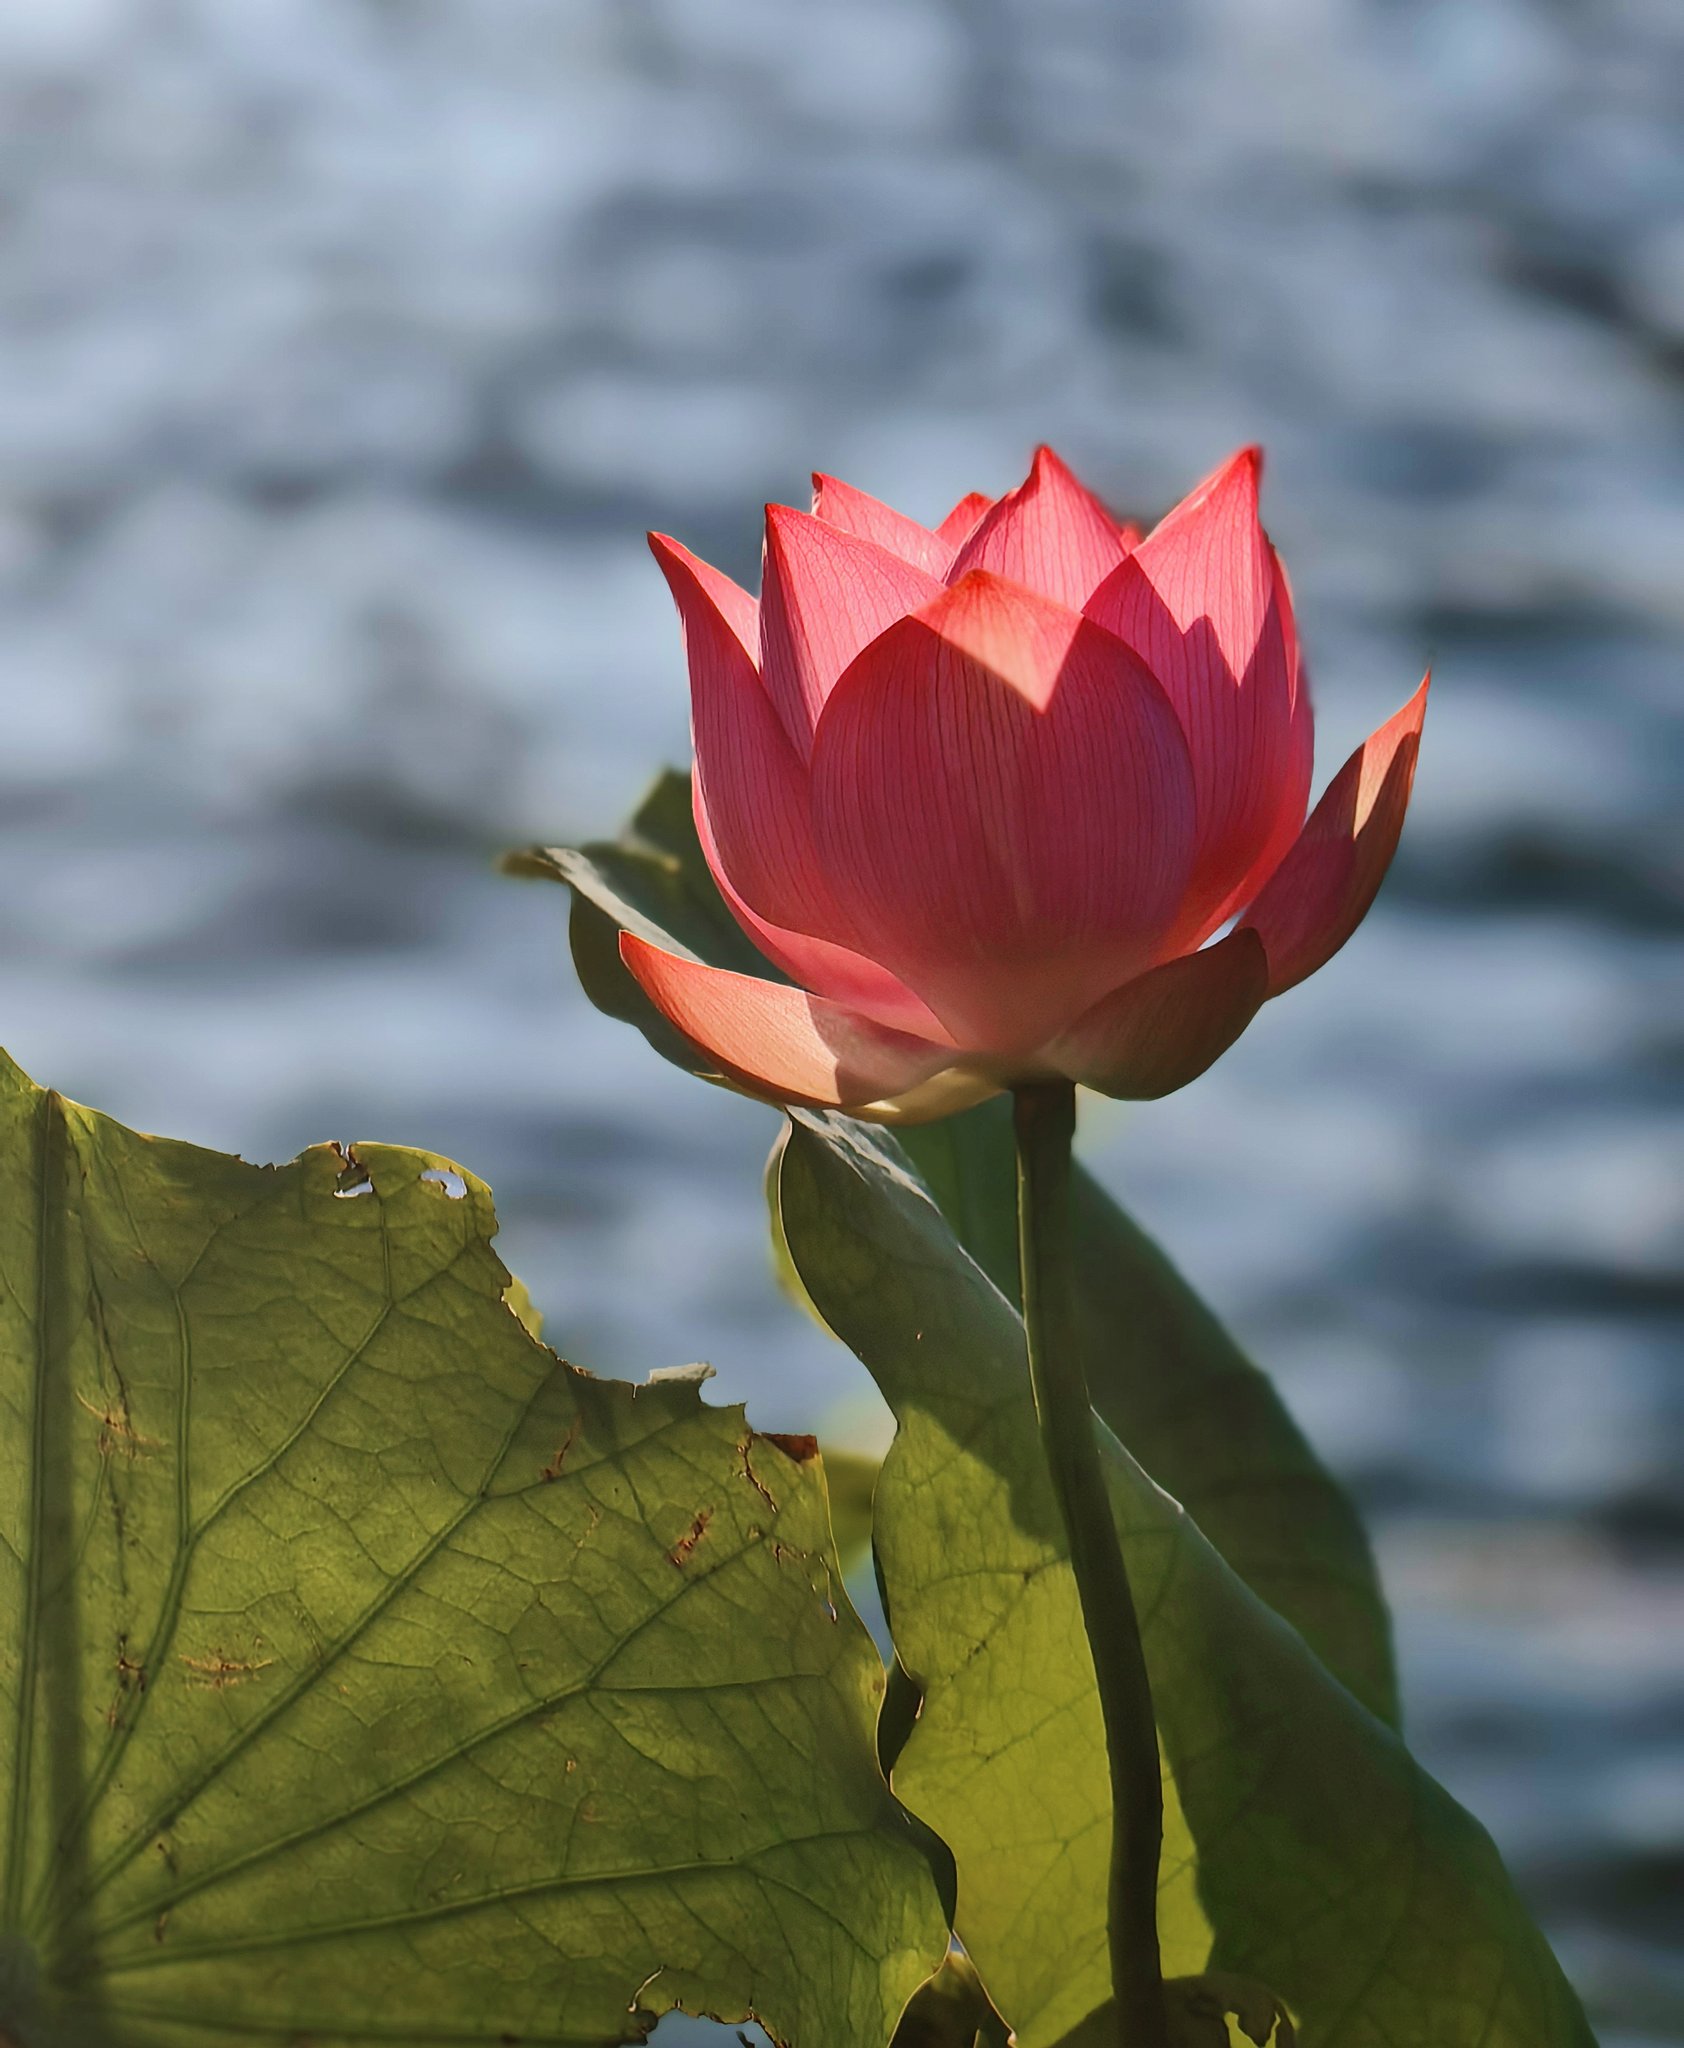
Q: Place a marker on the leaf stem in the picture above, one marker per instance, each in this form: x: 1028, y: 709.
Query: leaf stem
x: 1044, y: 1118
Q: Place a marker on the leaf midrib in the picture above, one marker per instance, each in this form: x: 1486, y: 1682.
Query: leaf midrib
x: 23, y: 1753
x: 191, y: 1535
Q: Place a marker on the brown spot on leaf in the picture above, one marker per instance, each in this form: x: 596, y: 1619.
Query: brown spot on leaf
x: 684, y: 1548
x: 552, y: 1471
x: 218, y: 1672
x: 801, y: 1449
x: 754, y: 1479
x: 131, y: 1679
x: 117, y: 1433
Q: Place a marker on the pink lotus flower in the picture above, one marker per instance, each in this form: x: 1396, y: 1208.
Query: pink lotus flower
x: 985, y: 791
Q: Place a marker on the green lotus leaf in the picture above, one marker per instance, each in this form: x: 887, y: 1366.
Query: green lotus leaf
x: 1333, y: 1873
x: 367, y: 1674
x: 1184, y: 1398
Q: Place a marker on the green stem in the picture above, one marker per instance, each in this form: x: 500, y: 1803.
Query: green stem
x: 1044, y: 1117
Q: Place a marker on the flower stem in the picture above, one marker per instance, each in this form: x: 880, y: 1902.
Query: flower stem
x: 1044, y: 1116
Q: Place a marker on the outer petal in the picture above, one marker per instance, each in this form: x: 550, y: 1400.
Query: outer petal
x: 1161, y: 1030
x: 821, y: 966
x: 778, y: 1042
x: 1204, y: 603
x: 1321, y: 892
x: 1002, y: 803
x: 750, y: 783
x: 840, y: 505
x: 1051, y: 534
x: 826, y: 593
x: 706, y: 597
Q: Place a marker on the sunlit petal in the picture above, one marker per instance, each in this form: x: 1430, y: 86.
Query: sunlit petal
x: 1051, y: 534
x: 780, y: 1042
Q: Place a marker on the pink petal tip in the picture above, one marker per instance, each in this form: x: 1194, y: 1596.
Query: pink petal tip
x: 1322, y: 890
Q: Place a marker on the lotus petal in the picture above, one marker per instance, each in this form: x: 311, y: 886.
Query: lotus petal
x: 820, y: 965
x: 779, y: 1042
x: 955, y: 529
x: 1321, y: 891
x: 840, y: 505
x: 1051, y: 534
x: 1203, y: 601
x: 750, y: 783
x: 1003, y: 806
x: 1164, y: 1028
x: 826, y: 593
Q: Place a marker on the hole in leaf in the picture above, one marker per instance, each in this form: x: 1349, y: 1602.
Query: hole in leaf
x: 681, y: 2030
x: 449, y: 1179
x: 354, y: 1178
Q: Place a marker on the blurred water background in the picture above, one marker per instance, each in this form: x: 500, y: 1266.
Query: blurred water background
x: 348, y: 346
